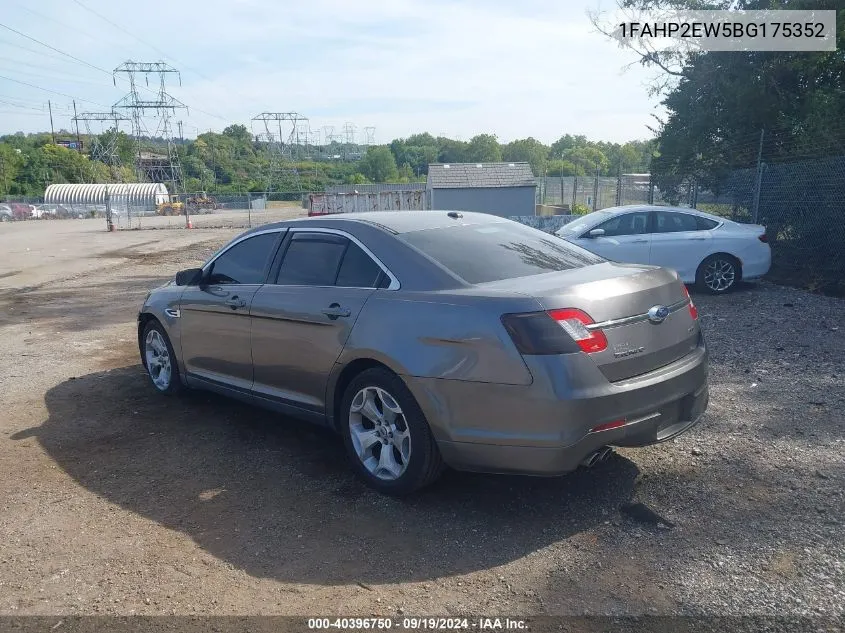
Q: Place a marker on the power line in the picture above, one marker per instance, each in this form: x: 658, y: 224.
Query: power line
x: 52, y: 48
x: 82, y: 61
x: 155, y: 48
x: 55, y: 92
x: 64, y: 78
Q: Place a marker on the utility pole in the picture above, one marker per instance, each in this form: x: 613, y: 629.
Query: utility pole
x: 76, y: 120
x: 52, y: 131
x: 759, y: 181
x: 596, y: 188
x: 181, y: 136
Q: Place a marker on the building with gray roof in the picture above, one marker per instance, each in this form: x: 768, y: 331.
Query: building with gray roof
x: 503, y: 189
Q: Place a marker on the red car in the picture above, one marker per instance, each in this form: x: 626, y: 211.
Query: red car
x: 21, y: 211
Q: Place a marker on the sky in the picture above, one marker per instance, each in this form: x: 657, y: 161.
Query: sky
x: 457, y: 68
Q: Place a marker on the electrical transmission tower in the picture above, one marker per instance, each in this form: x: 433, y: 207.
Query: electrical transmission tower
x: 350, y: 150
x: 283, y: 149
x: 104, y: 146
x: 161, y: 105
x: 369, y: 136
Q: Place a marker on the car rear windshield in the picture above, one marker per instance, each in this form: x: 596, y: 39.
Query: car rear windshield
x: 496, y: 251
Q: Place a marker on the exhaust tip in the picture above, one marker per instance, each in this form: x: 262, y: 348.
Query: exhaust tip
x: 597, y: 456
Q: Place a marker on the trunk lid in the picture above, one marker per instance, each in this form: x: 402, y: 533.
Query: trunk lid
x: 618, y: 297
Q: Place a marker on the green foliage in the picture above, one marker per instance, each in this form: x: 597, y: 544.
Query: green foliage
x: 566, y: 143
x: 527, y: 150
x: 564, y: 168
x: 484, y: 148
x: 379, y: 165
x: 356, y: 179
x: 580, y: 209
x: 451, y: 151
x: 233, y: 162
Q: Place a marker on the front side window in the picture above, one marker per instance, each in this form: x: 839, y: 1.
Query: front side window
x: 492, y: 252
x: 244, y: 263
x: 626, y: 224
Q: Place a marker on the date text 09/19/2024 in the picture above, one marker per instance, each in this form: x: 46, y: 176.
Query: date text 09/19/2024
x: 418, y: 624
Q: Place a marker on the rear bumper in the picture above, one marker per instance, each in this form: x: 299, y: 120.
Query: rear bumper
x: 545, y: 428
x: 756, y: 263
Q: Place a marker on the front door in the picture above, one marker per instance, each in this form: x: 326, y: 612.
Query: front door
x: 215, y: 326
x: 302, y: 318
x: 626, y: 239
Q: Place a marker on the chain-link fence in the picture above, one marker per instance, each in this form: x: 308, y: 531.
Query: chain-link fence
x: 591, y: 193
x: 802, y: 206
x: 199, y: 210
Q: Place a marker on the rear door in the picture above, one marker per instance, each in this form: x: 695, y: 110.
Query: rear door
x: 680, y: 241
x: 626, y: 238
x: 302, y: 317
x: 214, y: 318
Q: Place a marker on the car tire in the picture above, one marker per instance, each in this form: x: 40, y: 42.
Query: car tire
x: 379, y: 413
x: 718, y: 274
x: 159, y: 360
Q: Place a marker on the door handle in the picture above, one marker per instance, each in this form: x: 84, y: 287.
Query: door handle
x: 235, y: 303
x: 697, y: 239
x: 638, y: 241
x: 334, y: 311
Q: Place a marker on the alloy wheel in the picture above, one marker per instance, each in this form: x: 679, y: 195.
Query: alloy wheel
x: 380, y: 434
x: 719, y: 275
x: 158, y: 360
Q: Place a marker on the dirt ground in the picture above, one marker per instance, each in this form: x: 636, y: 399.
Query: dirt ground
x: 117, y: 500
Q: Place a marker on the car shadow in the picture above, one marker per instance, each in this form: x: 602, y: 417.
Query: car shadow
x: 275, y: 497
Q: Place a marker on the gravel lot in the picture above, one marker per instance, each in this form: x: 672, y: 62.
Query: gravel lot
x: 116, y: 500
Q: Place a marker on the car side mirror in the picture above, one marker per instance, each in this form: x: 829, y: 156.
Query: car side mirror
x: 189, y: 277
x: 596, y: 233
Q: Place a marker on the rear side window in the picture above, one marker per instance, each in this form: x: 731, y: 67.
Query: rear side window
x: 245, y: 262
x: 496, y: 251
x: 669, y: 222
x: 322, y: 259
x: 705, y: 224
x: 358, y: 270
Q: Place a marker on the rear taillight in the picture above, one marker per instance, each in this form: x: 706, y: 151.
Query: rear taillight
x: 554, y: 332
x: 693, y: 311
x: 763, y: 238
x: 574, y: 322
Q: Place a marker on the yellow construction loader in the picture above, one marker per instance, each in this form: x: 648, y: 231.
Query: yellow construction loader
x: 171, y: 207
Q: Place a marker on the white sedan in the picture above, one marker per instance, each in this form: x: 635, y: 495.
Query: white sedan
x: 712, y: 252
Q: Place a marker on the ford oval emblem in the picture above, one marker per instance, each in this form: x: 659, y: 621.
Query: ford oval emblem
x: 658, y: 314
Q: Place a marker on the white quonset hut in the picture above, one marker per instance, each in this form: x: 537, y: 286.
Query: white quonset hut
x: 136, y: 195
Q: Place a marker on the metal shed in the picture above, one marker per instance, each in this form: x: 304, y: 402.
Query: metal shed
x: 504, y: 189
x: 128, y: 195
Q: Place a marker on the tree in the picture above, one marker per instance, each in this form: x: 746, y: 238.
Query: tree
x: 588, y: 159
x: 564, y: 168
x: 451, y: 151
x: 379, y: 165
x: 484, y: 148
x: 565, y: 143
x: 527, y: 150
x: 406, y: 174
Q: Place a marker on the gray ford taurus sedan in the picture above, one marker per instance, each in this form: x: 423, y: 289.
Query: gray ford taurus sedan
x: 436, y: 338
